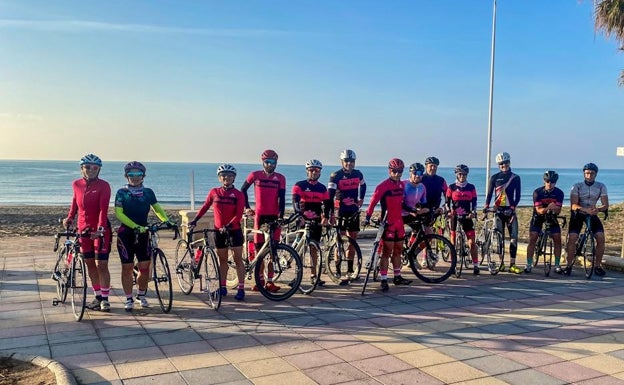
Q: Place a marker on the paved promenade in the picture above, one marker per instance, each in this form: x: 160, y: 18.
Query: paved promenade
x: 511, y: 329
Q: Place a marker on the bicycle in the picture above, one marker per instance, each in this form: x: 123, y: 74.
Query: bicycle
x: 191, y: 257
x: 337, y: 247
x: 373, y: 261
x: 287, y: 266
x: 490, y: 242
x: 586, y: 247
x: 161, y: 274
x: 431, y: 257
x: 544, y: 245
x: 306, y: 248
x: 441, y: 226
x: 464, y: 258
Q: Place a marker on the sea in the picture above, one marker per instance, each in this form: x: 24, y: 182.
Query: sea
x: 185, y: 185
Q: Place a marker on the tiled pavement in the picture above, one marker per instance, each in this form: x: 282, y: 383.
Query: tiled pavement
x: 475, y: 330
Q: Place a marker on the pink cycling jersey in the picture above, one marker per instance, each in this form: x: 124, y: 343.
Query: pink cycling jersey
x: 228, y: 206
x: 90, y: 201
x: 390, y: 194
x: 267, y: 191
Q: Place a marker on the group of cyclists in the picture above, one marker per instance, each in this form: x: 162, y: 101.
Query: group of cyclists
x: 420, y: 197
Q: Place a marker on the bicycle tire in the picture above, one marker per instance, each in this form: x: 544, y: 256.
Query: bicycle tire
x: 539, y: 248
x: 184, y: 261
x: 443, y: 230
x: 287, y: 272
x: 231, y: 279
x: 495, y: 251
x: 308, y: 285
x: 547, y: 253
x: 78, y: 283
x: 161, y: 275
x: 459, y: 246
x: 60, y: 274
x: 211, y: 278
x: 339, y: 249
x: 589, y: 256
x: 372, y: 265
x: 427, y: 261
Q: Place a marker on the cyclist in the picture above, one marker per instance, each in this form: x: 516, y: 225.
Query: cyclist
x: 547, y: 199
x: 435, y: 185
x: 90, y: 201
x: 132, y: 206
x: 583, y: 199
x: 310, y: 198
x: 269, y: 193
x: 347, y: 189
x: 228, y: 205
x: 505, y: 187
x: 461, y: 198
x: 390, y: 194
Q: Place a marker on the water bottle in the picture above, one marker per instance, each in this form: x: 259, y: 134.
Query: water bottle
x: 198, y: 254
x: 251, y: 250
x: 70, y: 256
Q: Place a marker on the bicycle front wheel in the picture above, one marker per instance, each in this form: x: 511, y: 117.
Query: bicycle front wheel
x: 162, y: 280
x: 495, y: 252
x: 212, y: 278
x: 284, y: 270
x: 426, y: 258
x: 337, y: 262
x: 60, y: 274
x: 461, y: 257
x: 371, y: 265
x: 78, y: 284
x: 184, y: 267
x: 540, y: 248
x: 589, y: 256
x: 312, y: 260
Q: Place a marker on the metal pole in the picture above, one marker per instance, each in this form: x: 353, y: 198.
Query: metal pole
x: 489, y: 140
x: 192, y: 190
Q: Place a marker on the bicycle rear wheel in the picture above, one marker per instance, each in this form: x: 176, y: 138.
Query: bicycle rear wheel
x: 162, y: 280
x: 184, y: 267
x: 231, y: 281
x: 338, y: 255
x: 78, y: 284
x: 495, y: 252
x: 589, y: 256
x: 212, y: 278
x: 426, y: 258
x: 311, y: 271
x: 60, y: 274
x: 284, y: 269
x: 461, y: 254
x: 539, y: 248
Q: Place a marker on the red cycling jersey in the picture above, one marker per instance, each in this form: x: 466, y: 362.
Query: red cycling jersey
x: 311, y: 199
x: 229, y: 205
x: 268, y: 192
x: 390, y: 193
x: 90, y: 201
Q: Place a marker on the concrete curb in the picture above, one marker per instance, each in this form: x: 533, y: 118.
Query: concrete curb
x: 63, y: 376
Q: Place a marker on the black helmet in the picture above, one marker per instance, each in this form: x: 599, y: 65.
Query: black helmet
x: 415, y: 167
x: 432, y: 160
x: 590, y: 166
x: 551, y: 176
x: 462, y: 168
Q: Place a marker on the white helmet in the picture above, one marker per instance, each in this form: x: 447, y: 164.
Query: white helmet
x: 226, y: 167
x: 313, y: 163
x: 347, y: 154
x: 503, y: 157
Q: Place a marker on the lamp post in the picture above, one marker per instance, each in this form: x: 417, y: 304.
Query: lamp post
x: 489, y: 140
x: 620, y: 152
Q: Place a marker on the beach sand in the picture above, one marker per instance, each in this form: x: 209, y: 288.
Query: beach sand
x: 17, y: 222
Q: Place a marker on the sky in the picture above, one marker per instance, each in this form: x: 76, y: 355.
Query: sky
x: 220, y: 81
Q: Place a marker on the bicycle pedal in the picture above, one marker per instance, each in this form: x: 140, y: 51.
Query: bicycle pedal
x: 55, y: 302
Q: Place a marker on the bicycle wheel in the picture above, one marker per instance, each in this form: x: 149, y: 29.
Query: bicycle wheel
x: 371, y: 265
x: 231, y: 281
x: 461, y: 255
x: 212, y: 278
x: 589, y: 256
x: 427, y: 261
x: 284, y: 269
x: 547, y: 252
x: 443, y: 229
x: 311, y: 271
x: 162, y: 280
x: 60, y: 274
x: 338, y: 256
x: 184, y: 267
x: 494, y: 251
x: 78, y: 284
x: 540, y: 248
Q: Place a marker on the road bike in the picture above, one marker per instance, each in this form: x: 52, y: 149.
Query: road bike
x: 544, y: 246
x: 490, y: 243
x: 307, y: 249
x: 273, y: 262
x: 586, y: 247
x: 160, y: 272
x: 441, y: 225
x: 373, y: 262
x: 337, y: 247
x: 197, y: 260
x: 464, y: 258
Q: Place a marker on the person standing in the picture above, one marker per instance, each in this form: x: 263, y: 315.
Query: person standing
x: 269, y: 194
x: 132, y: 206
x: 435, y: 185
x: 347, y: 190
x: 504, y: 186
x: 90, y: 202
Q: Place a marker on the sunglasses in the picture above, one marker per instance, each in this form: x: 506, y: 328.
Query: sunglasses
x: 90, y: 166
x: 227, y: 175
x: 549, y: 181
x: 314, y: 169
x: 135, y: 174
x: 505, y: 163
x: 418, y: 173
x: 461, y: 174
x: 349, y: 160
x: 270, y: 161
x: 396, y: 170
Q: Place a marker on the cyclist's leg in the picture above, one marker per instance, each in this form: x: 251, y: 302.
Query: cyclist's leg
x: 512, y: 228
x: 499, y: 224
x: 556, y: 237
x: 598, y: 231
x: 353, y: 229
x: 468, y: 226
x: 237, y: 239
x: 125, y: 249
x: 574, y: 229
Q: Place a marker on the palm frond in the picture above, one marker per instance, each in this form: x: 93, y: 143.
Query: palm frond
x: 609, y: 18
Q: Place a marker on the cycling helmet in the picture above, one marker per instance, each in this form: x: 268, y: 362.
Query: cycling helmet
x: 269, y: 154
x: 313, y: 163
x: 551, y: 176
x: 591, y: 166
x: 503, y: 157
x: 415, y: 167
x: 347, y: 154
x: 134, y: 165
x: 432, y: 160
x: 91, y: 159
x: 462, y: 168
x: 226, y: 167
x: 396, y: 164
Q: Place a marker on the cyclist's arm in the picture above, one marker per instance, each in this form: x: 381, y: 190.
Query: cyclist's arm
x: 73, y: 209
x: 574, y: 201
x: 362, y: 193
x: 244, y: 189
x: 373, y: 202
x: 205, y: 207
x: 605, y: 203
x: 296, y: 199
x: 160, y: 212
x: 516, y: 189
x: 124, y: 219
x: 490, y: 191
x: 282, y: 202
x: 105, y: 195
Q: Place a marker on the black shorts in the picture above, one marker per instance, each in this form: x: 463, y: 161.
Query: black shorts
x: 537, y: 221
x: 316, y: 231
x: 236, y: 239
x: 577, y: 220
x: 349, y: 222
x: 129, y: 245
x: 466, y: 223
